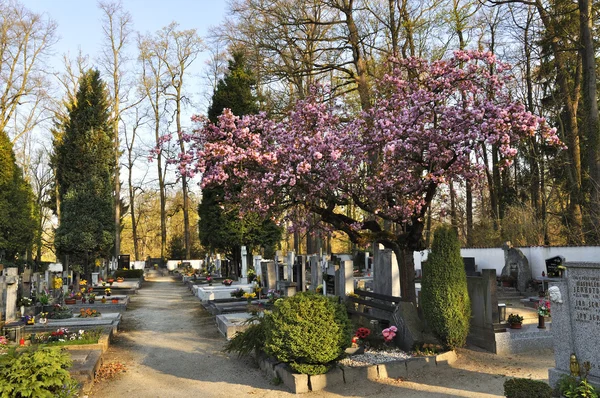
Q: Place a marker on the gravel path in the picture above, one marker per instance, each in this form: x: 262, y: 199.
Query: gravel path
x: 171, y: 348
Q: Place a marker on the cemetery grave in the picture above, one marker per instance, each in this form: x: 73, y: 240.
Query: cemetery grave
x: 42, y: 317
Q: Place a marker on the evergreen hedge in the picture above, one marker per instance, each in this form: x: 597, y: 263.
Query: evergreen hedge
x: 444, y: 295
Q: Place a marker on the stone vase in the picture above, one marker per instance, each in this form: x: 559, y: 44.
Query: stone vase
x: 541, y: 322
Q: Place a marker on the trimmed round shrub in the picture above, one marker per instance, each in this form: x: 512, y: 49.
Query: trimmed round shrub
x: 444, y: 295
x: 308, y: 331
x: 526, y: 388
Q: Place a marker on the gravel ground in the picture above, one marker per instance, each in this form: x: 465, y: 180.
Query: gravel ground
x: 171, y: 347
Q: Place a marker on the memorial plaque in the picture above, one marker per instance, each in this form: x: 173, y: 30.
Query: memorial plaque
x: 575, y: 306
x: 552, y: 265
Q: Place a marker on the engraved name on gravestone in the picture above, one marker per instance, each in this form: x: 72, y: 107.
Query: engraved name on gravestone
x: 584, y: 291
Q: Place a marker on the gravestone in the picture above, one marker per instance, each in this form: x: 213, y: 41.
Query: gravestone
x: 2, y: 300
x: 269, y: 274
x: 257, y: 268
x: 470, y: 267
x: 517, y: 266
x: 300, y: 273
x: 386, y: 275
x: 124, y: 261
x: 552, y: 264
x: 290, y: 266
x: 575, y: 305
x: 244, y: 276
x: 316, y: 273
x: 484, y: 309
x: 10, y: 297
x: 345, y: 278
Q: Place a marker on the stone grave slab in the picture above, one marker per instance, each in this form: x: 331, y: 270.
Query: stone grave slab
x: 216, y: 292
x: 230, y: 324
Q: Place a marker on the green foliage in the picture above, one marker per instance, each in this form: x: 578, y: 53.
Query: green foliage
x: 308, y: 332
x: 17, y: 223
x: 571, y: 387
x: 514, y: 318
x: 444, y: 294
x: 526, y: 388
x: 235, y: 91
x: 36, y: 372
x: 84, y: 165
x: 129, y: 273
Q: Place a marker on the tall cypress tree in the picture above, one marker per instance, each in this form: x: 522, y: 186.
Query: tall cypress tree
x: 220, y: 228
x: 17, y: 224
x: 85, y: 166
x: 444, y: 295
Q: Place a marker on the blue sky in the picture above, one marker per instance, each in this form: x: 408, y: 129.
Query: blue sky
x: 79, y: 21
x: 80, y: 25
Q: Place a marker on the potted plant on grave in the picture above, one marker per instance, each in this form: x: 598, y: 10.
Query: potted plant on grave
x: 91, y: 298
x: 543, y: 310
x: 107, y: 292
x: 227, y: 282
x: 110, y: 281
x: 120, y: 279
x: 71, y: 299
x: 103, y: 300
x: 515, y: 321
x: 237, y: 293
x: 44, y: 299
x: 42, y: 317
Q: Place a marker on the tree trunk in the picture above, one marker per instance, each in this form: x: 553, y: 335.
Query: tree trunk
x: 590, y: 104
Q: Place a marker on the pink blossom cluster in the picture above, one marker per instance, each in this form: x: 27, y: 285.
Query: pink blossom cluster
x: 389, y: 333
x: 428, y: 125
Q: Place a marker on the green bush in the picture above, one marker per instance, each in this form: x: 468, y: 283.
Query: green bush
x: 572, y: 387
x: 444, y: 295
x: 129, y: 273
x: 36, y: 372
x: 307, y: 331
x: 526, y: 388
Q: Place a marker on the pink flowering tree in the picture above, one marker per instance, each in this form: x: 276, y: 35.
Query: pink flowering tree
x: 428, y: 125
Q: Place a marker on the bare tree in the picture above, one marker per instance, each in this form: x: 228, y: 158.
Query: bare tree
x: 178, y: 49
x: 25, y: 41
x: 117, y: 25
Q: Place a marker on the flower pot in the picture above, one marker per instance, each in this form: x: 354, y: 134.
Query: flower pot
x: 43, y: 320
x: 115, y: 301
x: 70, y: 301
x: 516, y: 325
x: 91, y: 301
x: 108, y: 294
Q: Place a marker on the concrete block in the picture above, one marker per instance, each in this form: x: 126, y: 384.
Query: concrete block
x: 446, y: 358
x: 334, y: 377
x: 392, y: 370
x: 295, y: 382
x: 352, y: 374
x: 372, y: 372
x: 419, y: 363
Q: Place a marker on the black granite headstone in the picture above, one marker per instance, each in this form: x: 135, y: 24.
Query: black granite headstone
x: 552, y: 265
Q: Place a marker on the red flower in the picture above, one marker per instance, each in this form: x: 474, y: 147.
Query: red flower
x: 363, y: 333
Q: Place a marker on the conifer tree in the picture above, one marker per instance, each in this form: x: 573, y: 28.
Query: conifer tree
x: 85, y: 166
x: 17, y: 223
x: 444, y: 295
